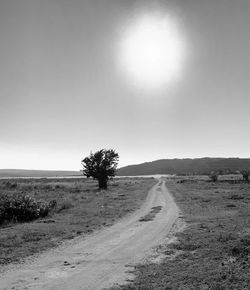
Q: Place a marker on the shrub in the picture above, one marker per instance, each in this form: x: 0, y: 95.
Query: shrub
x: 245, y: 174
x: 52, y: 204
x: 214, y: 177
x: 21, y: 208
x: 11, y: 185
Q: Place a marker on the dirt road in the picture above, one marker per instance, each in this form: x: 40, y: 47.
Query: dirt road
x: 102, y: 259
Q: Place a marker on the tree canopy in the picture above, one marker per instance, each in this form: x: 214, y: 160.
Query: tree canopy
x: 101, y: 165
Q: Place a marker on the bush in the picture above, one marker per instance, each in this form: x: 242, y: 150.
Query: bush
x: 11, y: 185
x: 21, y: 208
x: 214, y: 177
x: 245, y: 174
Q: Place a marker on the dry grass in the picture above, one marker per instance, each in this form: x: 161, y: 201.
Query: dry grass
x: 213, y: 252
x: 80, y: 209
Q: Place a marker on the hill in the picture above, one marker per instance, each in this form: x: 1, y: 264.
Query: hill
x: 187, y: 166
x: 36, y: 173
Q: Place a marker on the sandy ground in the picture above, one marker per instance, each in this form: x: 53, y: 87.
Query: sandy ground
x: 102, y: 259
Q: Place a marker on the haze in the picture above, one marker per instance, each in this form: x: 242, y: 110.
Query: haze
x: 63, y: 91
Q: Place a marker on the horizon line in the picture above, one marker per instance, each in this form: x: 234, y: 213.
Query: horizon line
x: 79, y: 170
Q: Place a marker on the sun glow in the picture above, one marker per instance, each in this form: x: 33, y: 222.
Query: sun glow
x: 151, y: 51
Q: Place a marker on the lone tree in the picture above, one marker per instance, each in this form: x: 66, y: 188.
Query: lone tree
x: 101, y: 165
x: 245, y: 174
x: 213, y: 176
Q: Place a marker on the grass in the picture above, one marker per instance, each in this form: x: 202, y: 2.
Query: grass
x: 213, y: 251
x: 79, y: 209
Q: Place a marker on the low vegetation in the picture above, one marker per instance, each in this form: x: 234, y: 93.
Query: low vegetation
x: 214, y: 177
x: 245, y: 174
x: 21, y: 208
x: 41, y: 213
x: 213, y: 251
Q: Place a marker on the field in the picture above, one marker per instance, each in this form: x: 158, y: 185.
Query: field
x: 10, y: 173
x: 213, y: 251
x: 80, y: 209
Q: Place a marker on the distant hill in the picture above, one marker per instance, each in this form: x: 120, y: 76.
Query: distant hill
x: 186, y: 166
x: 36, y: 173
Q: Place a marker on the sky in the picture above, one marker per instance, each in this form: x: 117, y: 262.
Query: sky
x: 64, y: 91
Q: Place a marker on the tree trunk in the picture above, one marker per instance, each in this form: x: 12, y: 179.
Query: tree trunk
x: 103, y: 183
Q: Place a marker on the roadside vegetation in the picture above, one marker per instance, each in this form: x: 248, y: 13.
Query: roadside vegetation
x: 213, y: 251
x: 21, y: 208
x: 37, y: 214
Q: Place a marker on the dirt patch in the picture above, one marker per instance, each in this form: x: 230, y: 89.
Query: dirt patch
x: 151, y: 215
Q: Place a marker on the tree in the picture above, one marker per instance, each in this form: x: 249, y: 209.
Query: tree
x: 245, y: 174
x: 213, y: 176
x: 101, y: 165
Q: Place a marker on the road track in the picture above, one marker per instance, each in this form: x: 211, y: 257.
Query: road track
x: 101, y: 259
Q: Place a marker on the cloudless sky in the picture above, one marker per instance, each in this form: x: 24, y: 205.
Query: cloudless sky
x: 63, y: 94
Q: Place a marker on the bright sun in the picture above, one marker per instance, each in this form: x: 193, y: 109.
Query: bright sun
x: 151, y: 51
